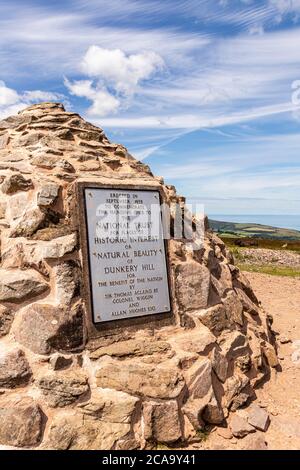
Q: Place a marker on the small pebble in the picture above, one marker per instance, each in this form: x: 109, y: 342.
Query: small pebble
x: 284, y: 339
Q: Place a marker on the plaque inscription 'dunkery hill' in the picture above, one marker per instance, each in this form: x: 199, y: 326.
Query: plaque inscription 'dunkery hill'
x: 127, y: 259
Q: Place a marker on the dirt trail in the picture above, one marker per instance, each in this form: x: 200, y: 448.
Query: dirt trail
x: 281, y: 297
x: 280, y: 396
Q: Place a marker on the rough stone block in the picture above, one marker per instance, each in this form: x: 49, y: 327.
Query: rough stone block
x: 43, y: 328
x: 240, y: 427
x: 14, y: 369
x: 140, y: 379
x: 17, y: 285
x: 64, y: 387
x: 21, y: 423
x: 192, y: 282
x: 161, y: 421
x: 258, y: 417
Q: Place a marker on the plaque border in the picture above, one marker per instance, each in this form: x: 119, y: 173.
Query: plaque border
x: 98, y: 329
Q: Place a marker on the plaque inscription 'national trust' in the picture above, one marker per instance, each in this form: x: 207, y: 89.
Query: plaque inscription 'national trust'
x: 127, y: 260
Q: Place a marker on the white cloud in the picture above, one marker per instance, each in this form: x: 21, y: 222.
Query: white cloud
x: 8, y: 96
x: 103, y: 102
x: 256, y: 29
x: 116, y: 68
x: 38, y: 95
x: 112, y: 69
x: 12, y: 102
x: 194, y: 121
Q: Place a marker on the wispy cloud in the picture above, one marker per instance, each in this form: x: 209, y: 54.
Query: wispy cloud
x: 157, y: 74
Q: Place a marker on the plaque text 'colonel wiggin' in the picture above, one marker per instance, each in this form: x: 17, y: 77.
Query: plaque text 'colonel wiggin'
x: 127, y: 259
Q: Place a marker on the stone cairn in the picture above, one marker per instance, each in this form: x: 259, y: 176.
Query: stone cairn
x: 134, y: 388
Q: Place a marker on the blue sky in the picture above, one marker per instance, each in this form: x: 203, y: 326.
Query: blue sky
x: 206, y: 92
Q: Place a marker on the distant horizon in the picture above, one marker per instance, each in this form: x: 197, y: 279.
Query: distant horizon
x: 254, y: 215
x: 289, y: 221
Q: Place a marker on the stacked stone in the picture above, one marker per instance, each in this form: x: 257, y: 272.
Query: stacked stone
x: 133, y: 388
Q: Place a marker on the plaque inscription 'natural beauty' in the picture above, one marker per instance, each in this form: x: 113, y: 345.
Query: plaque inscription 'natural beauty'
x: 127, y: 260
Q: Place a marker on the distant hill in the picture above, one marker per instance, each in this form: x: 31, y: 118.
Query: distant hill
x: 232, y: 229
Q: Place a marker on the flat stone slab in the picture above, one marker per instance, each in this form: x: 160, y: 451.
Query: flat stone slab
x: 259, y: 418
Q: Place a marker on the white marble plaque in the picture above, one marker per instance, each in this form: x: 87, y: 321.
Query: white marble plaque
x: 127, y: 259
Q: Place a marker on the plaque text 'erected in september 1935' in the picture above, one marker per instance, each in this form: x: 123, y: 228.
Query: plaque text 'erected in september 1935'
x: 127, y: 260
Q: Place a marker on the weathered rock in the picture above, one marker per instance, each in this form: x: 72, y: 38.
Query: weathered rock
x: 45, y: 161
x: 198, y: 379
x: 247, y: 303
x: 14, y: 121
x: 270, y: 354
x: 258, y: 417
x: 244, y: 362
x: 4, y: 140
x: 14, y: 369
x: 74, y: 433
x: 64, y: 387
x: 186, y: 359
x: 239, y: 400
x: 225, y: 433
x: 30, y: 139
x: 233, y: 344
x: 44, y: 329
x: 65, y: 166
x: 214, y: 318
x: 16, y: 182
x: 28, y: 223
x: 234, y: 307
x: 161, y: 421
x: 192, y: 282
x: 2, y: 209
x: 284, y: 339
x: 16, y: 205
x: 22, y: 253
x: 132, y: 347
x: 6, y: 319
x: 140, y: 379
x: 219, y: 364
x: 240, y: 427
x: 67, y: 282
x: 222, y: 279
x: 21, y: 423
x: 58, y: 247
x: 242, y: 283
x: 213, y: 412
x: 48, y: 194
x: 17, y: 286
x: 198, y: 340
x: 233, y: 386
x: 193, y: 410
x: 58, y: 362
x: 110, y: 406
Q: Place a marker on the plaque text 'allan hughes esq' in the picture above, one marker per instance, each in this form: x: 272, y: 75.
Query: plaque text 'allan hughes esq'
x: 126, y: 250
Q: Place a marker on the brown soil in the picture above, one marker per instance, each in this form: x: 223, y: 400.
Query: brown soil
x: 280, y: 396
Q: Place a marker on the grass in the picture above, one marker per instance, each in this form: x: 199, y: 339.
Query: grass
x: 203, y: 434
x: 267, y: 269
x: 161, y: 446
x: 243, y: 261
x: 253, y: 230
x: 292, y: 245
